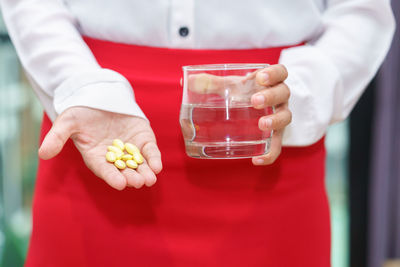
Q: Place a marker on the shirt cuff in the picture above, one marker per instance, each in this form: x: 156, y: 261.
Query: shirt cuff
x: 316, y: 98
x: 102, y: 89
x: 302, y: 130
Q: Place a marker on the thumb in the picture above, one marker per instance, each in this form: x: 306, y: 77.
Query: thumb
x: 55, y: 138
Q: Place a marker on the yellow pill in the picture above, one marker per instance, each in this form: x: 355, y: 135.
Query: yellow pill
x: 118, y: 143
x: 120, y: 155
x: 111, y: 156
x: 114, y: 149
x: 120, y: 164
x: 131, y: 164
x: 126, y: 157
x: 138, y: 157
x: 131, y: 148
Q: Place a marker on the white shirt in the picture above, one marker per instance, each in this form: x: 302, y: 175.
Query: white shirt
x: 346, y: 42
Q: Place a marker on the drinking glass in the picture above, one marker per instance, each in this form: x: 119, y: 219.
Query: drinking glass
x: 216, y: 117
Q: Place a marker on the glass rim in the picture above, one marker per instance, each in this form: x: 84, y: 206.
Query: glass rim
x: 228, y: 66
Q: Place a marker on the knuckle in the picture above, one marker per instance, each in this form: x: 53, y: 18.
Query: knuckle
x: 270, y: 97
x: 274, y: 71
x: 283, y: 119
x: 290, y: 115
x: 269, y: 159
x: 287, y: 91
x: 284, y: 70
x: 139, y: 185
x: 279, y: 152
x: 137, y: 181
x: 58, y: 136
x: 147, y: 146
x: 150, y: 180
x: 280, y: 122
x: 150, y: 148
x: 275, y: 156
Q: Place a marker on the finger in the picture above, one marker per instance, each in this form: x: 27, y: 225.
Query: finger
x: 205, y: 83
x: 279, y: 120
x: 251, y: 75
x: 133, y: 178
x: 272, y: 96
x: 272, y: 75
x: 55, y: 139
x: 202, y: 83
x: 149, y: 176
x: 274, y: 152
x: 153, y: 156
x: 108, y: 172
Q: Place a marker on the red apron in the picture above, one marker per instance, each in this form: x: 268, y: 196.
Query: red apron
x: 200, y: 212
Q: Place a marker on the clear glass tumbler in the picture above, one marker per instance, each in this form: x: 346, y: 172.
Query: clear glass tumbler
x: 216, y: 117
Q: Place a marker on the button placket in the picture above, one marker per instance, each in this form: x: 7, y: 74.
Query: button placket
x: 183, y: 31
x: 182, y: 23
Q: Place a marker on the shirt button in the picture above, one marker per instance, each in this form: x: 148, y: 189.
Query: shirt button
x: 183, y: 31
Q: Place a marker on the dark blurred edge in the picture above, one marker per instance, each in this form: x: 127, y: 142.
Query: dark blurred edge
x: 359, y: 175
x: 11, y: 255
x: 4, y: 38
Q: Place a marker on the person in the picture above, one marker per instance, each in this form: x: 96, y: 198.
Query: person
x: 84, y: 57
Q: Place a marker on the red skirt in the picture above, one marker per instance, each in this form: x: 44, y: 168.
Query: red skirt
x: 200, y: 212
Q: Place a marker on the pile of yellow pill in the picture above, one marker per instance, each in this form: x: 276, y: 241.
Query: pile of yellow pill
x: 121, y: 160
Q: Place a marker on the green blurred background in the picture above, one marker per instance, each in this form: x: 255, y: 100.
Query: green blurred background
x: 20, y: 117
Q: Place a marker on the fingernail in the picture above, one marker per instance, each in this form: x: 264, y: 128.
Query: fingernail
x: 259, y: 99
x: 259, y: 161
x: 265, y: 77
x: 268, y: 122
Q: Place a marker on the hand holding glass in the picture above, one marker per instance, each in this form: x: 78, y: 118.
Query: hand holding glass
x: 217, y: 117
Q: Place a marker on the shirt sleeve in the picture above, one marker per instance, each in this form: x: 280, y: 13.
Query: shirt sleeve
x: 62, y: 69
x: 328, y: 74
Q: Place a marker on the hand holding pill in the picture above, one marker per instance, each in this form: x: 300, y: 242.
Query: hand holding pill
x: 117, y: 156
x: 98, y: 135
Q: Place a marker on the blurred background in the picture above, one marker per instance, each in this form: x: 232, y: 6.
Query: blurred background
x: 20, y: 116
x: 365, y: 205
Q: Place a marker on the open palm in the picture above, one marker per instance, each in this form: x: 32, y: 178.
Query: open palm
x: 92, y: 130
